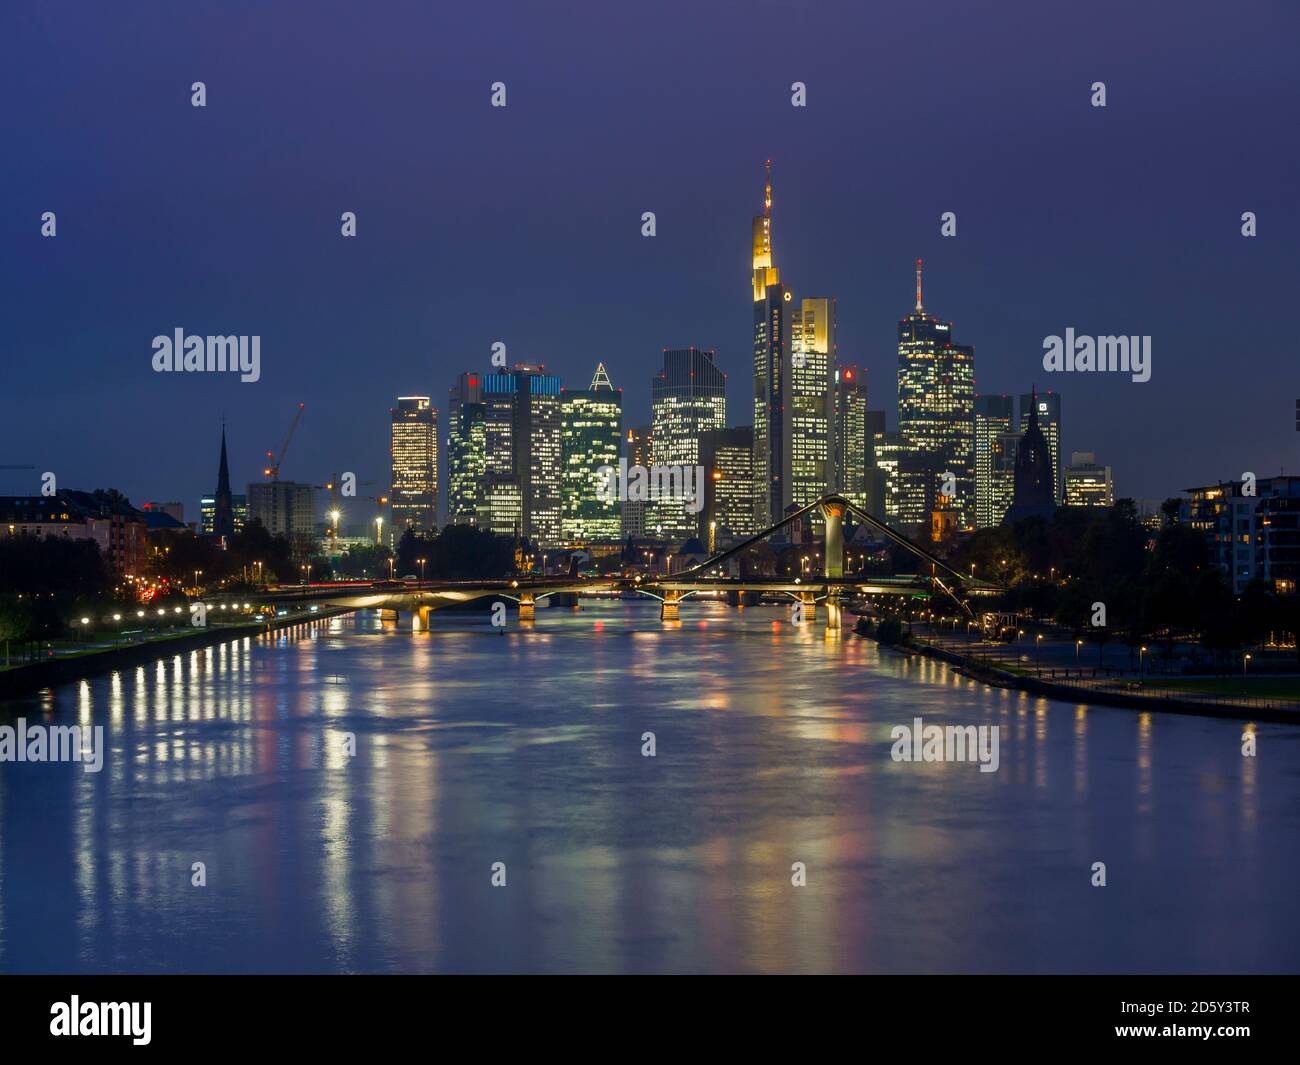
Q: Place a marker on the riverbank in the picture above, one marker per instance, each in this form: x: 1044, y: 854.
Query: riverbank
x: 36, y: 676
x: 1163, y: 702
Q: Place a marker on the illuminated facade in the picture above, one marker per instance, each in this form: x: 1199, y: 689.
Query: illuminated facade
x: 727, y: 456
x: 1086, y: 483
x: 592, y: 438
x: 1047, y: 409
x: 1251, y: 537
x: 995, y: 458
x: 852, y: 445
x: 466, y: 448
x: 808, y: 457
x: 636, y: 449
x: 522, y: 447
x: 208, y: 513
x: 771, y: 357
x: 936, y: 401
x: 414, y: 453
x: 688, y: 397
x: 874, y: 476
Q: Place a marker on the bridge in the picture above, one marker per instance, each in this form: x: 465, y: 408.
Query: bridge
x: 422, y: 598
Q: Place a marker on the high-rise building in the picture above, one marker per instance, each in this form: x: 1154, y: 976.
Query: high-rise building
x: 592, y: 438
x: 727, y: 456
x: 808, y: 457
x: 1251, y: 537
x: 466, y: 448
x: 1047, y: 409
x: 994, y: 467
x: 936, y: 400
x: 874, y: 477
x: 414, y: 454
x: 522, y: 447
x: 1086, y: 483
x: 687, y: 397
x: 853, y: 446
x: 286, y: 509
x: 636, y: 449
x: 771, y: 359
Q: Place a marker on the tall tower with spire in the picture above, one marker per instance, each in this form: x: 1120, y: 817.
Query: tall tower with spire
x: 223, y: 522
x: 771, y: 384
x: 936, y: 417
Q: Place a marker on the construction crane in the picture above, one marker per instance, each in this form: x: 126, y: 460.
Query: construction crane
x: 273, y: 463
x: 332, y: 487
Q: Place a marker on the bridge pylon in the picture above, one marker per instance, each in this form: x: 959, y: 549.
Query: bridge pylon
x: 670, y: 611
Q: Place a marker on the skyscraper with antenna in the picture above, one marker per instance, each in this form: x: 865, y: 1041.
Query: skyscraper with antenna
x: 771, y: 356
x: 936, y: 409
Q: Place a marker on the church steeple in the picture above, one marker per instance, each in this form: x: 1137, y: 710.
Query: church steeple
x: 223, y: 517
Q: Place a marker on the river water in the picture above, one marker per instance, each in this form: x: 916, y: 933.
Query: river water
x: 474, y: 747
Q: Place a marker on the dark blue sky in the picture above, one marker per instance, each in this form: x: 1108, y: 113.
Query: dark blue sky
x: 523, y: 224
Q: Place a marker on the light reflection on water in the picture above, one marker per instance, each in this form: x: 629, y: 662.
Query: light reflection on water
x: 773, y: 747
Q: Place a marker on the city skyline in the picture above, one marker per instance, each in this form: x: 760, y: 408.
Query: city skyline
x: 348, y: 325
x: 722, y: 489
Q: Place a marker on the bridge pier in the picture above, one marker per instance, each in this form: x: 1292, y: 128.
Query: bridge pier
x: 833, y: 511
x: 670, y: 611
x: 387, y: 615
x: 809, y: 601
x: 527, y: 607
x: 832, y: 610
x: 420, y: 622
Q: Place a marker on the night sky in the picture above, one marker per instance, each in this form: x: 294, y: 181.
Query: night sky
x: 523, y: 224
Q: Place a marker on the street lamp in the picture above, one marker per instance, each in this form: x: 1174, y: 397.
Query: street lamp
x: 1077, y: 644
x: 1244, y: 659
x: 1141, y: 652
x: 421, y: 562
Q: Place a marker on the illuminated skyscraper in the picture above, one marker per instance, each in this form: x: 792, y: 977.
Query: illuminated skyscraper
x: 415, y: 464
x: 874, y: 479
x: 936, y: 399
x: 466, y: 448
x: 727, y: 456
x: 592, y: 438
x: 687, y: 397
x: 1047, y: 408
x: 852, y: 445
x: 636, y: 449
x: 995, y: 458
x: 808, y: 457
x: 771, y: 359
x: 522, y: 441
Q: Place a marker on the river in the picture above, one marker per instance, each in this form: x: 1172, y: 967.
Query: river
x: 772, y: 747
